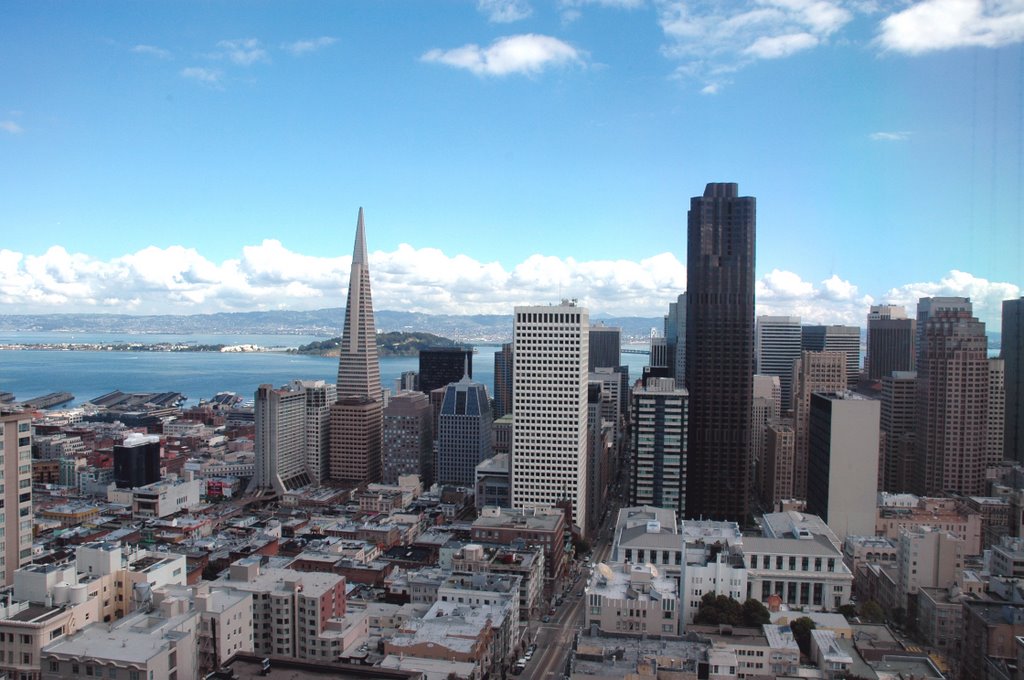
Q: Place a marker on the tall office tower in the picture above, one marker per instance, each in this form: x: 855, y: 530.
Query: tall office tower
x: 719, y: 351
x: 890, y: 341
x: 1013, y: 354
x: 357, y: 417
x: 899, y: 427
x: 600, y: 440
x: 319, y: 397
x: 549, y: 428
x: 409, y: 380
x: 17, y: 514
x: 440, y: 366
x: 779, y: 442
x: 952, y: 405
x: 996, y: 409
x: 812, y: 372
x: 659, y: 356
x: 503, y: 381
x: 280, y: 438
x: 675, y: 335
x: 765, y: 408
x: 605, y: 346
x: 611, y: 389
x: 842, y: 484
x: 844, y: 339
x: 928, y: 306
x: 777, y: 346
x: 464, y: 437
x: 137, y: 462
x: 659, y: 446
x: 408, y: 438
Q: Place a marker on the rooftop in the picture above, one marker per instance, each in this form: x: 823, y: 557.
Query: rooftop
x: 135, y: 639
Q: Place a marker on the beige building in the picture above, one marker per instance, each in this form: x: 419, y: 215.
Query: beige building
x: 946, y: 514
x: 842, y: 482
x: 929, y: 558
x: 296, y: 614
x: 812, y: 372
x: 632, y: 600
x: 144, y: 645
x: 779, y: 447
x: 16, y: 480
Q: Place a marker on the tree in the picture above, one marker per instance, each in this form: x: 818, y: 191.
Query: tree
x: 719, y: 609
x: 848, y: 610
x: 755, y: 614
x: 802, y: 628
x: 872, y: 612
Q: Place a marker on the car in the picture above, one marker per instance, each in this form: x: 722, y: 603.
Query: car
x: 532, y: 648
x: 529, y: 655
x: 546, y: 619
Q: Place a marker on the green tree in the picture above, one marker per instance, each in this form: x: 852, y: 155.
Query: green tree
x: 802, y: 628
x: 872, y: 612
x: 848, y: 610
x: 755, y: 614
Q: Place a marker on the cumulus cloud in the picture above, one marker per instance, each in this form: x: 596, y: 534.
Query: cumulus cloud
x: 243, y: 51
x: 152, y: 51
x: 986, y: 296
x: 211, y: 77
x: 268, y: 275
x: 301, y: 47
x: 712, y: 40
x: 889, y: 136
x: 11, y: 127
x: 504, y: 11
x: 522, y: 54
x: 945, y: 24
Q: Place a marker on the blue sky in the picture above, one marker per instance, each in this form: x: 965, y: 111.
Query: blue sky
x: 200, y: 156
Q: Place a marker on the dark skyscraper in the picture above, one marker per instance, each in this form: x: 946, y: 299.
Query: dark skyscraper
x: 503, y: 381
x: 136, y: 463
x: 720, y: 351
x: 1013, y: 356
x: 605, y: 347
x: 440, y: 366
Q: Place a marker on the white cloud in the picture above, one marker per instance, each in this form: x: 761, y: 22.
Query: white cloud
x: 711, y: 39
x: 987, y: 296
x: 504, y: 11
x: 889, y: 136
x: 243, y: 51
x: 152, y: 51
x: 525, y: 54
x: 267, y: 275
x: 945, y: 24
x: 211, y: 77
x: 300, y: 47
x: 11, y: 126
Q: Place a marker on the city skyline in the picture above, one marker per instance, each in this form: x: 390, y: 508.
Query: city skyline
x: 489, y: 137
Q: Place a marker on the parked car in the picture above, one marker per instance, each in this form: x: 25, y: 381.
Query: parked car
x: 546, y: 619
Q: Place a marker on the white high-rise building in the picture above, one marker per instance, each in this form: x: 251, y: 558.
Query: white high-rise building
x: 280, y: 438
x: 319, y: 397
x: 549, y: 429
x: 776, y: 347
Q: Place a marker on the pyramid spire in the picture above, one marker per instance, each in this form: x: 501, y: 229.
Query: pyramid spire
x: 359, y: 251
x: 358, y: 366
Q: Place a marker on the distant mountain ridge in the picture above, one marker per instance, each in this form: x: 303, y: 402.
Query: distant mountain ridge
x: 319, y: 322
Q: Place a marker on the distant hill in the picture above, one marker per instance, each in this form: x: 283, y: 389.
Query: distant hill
x: 395, y: 343
x: 319, y: 322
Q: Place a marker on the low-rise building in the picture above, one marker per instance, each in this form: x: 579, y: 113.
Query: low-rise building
x: 632, y: 600
x: 805, y: 572
x: 647, y: 535
x: 145, y: 644
x: 166, y: 497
